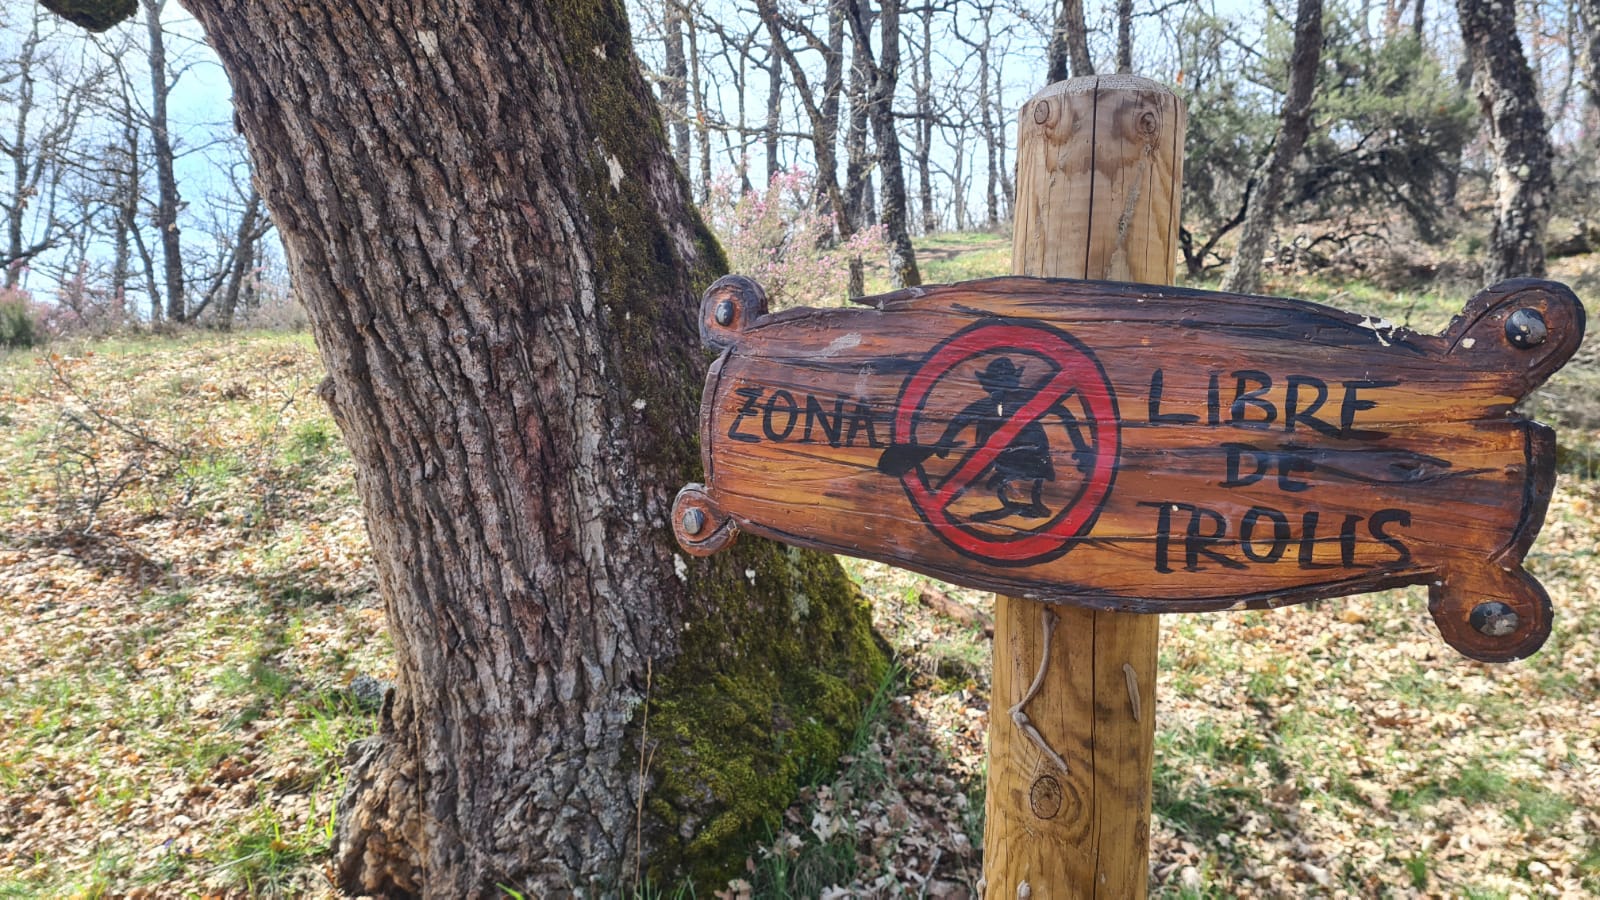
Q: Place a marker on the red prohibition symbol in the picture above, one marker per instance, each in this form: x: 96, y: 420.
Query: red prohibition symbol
x: 1030, y: 420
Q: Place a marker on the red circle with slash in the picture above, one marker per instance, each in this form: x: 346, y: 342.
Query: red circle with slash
x: 1074, y: 371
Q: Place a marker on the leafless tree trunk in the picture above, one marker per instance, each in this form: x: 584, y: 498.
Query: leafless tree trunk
x: 1069, y: 43
x: 1125, y: 36
x: 675, y: 83
x: 1244, y: 275
x: 501, y: 266
x: 169, y: 238
x: 702, y: 128
x: 884, y: 73
x: 774, y: 67
x: 1518, y: 140
x: 1591, y: 31
x: 860, y: 202
x: 252, y: 228
x: 922, y: 92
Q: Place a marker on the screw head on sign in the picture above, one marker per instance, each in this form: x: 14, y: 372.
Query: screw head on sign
x: 694, y: 521
x: 1494, y: 619
x: 724, y: 313
x: 1525, y: 328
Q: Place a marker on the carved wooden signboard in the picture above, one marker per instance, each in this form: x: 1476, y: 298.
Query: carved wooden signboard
x: 1143, y: 449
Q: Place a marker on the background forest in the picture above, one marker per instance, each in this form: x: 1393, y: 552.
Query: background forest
x: 190, y: 635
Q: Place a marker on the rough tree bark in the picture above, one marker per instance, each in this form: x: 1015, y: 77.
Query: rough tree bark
x: 884, y: 74
x: 1518, y: 140
x: 1069, y: 43
x: 1244, y: 274
x: 501, y: 266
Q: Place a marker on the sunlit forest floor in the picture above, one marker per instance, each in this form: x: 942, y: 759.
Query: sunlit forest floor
x: 190, y: 636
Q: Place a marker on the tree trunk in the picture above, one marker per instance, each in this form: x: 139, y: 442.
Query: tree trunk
x: 675, y: 86
x: 885, y: 74
x: 167, y: 198
x: 1125, y: 36
x: 1244, y: 275
x: 1591, y: 21
x: 828, y: 134
x: 922, y: 88
x: 774, y: 110
x: 993, y: 140
x: 702, y: 129
x: 1069, y: 44
x: 501, y: 267
x: 1509, y: 99
x: 860, y: 206
x: 244, y: 255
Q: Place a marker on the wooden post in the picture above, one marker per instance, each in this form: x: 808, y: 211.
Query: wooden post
x: 1099, y: 170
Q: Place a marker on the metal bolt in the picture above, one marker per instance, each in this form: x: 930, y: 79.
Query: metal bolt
x: 1525, y: 328
x: 694, y: 520
x: 1494, y: 619
x: 724, y: 313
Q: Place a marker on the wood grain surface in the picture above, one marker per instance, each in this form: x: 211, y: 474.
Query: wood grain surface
x: 1165, y: 450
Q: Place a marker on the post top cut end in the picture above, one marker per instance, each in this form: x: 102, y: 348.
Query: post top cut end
x: 1102, y: 84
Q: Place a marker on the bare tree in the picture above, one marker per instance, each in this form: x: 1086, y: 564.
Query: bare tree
x: 860, y: 199
x: 1591, y: 33
x: 822, y: 111
x: 1518, y: 140
x: 675, y: 83
x: 48, y: 100
x: 1069, y: 43
x: 1244, y: 275
x: 993, y: 135
x: 883, y: 75
x: 168, y: 235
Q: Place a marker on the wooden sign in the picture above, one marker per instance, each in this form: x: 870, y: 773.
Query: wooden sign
x: 1142, y: 448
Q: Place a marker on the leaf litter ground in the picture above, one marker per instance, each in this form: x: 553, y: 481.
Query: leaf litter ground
x: 190, y: 637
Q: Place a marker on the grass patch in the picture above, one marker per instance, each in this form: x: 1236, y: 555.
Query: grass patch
x: 264, y: 856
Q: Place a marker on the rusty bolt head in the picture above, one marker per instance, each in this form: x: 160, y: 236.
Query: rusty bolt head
x: 694, y: 520
x: 1525, y: 328
x: 724, y: 312
x: 1494, y: 619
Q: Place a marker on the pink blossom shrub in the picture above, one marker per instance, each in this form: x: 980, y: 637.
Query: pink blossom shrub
x: 779, y: 238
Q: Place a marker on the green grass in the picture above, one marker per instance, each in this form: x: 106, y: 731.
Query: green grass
x: 263, y: 856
